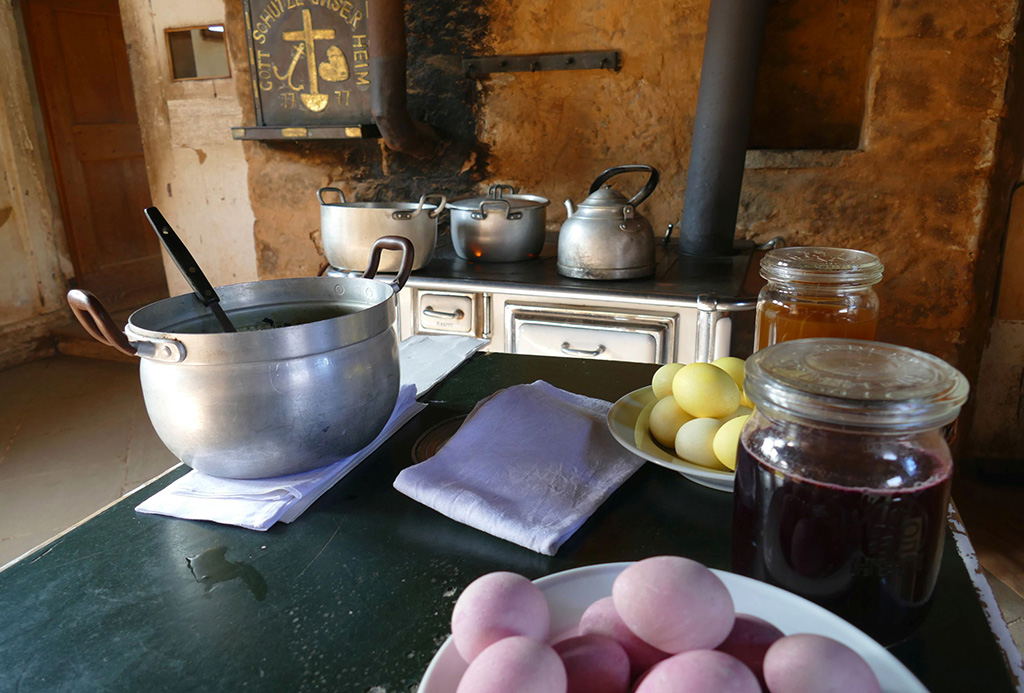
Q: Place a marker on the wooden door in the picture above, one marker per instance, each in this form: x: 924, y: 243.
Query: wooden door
x: 81, y: 69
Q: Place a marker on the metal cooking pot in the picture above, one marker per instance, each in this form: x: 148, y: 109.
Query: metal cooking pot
x: 349, y: 229
x: 498, y: 227
x: 266, y: 401
x: 606, y: 238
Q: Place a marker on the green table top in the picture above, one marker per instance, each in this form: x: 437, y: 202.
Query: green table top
x: 356, y: 595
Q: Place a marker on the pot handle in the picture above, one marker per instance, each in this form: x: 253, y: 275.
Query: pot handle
x: 391, y: 243
x: 405, y: 215
x: 321, y: 191
x: 645, y: 191
x: 509, y: 214
x: 97, y: 321
x: 495, y: 191
x: 440, y: 207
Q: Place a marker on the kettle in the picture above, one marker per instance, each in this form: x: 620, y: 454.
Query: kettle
x: 606, y: 238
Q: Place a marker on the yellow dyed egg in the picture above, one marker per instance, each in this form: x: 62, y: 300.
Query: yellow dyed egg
x: 727, y: 440
x: 740, y: 411
x: 736, y: 368
x: 665, y: 420
x: 661, y: 383
x: 695, y: 442
x: 704, y: 390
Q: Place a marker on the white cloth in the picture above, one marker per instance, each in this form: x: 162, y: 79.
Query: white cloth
x: 259, y: 503
x: 425, y: 359
x: 529, y: 465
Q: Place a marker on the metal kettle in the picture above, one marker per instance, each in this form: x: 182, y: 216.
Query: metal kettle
x: 606, y: 238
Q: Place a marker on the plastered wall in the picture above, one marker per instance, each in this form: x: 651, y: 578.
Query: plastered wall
x: 197, y: 172
x: 33, y: 255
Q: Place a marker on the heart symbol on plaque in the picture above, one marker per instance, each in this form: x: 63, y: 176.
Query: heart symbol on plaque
x: 336, y: 67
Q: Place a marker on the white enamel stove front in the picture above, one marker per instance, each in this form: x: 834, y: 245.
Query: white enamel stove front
x: 552, y: 322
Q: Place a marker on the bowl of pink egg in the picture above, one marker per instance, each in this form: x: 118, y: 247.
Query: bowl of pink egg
x: 666, y: 624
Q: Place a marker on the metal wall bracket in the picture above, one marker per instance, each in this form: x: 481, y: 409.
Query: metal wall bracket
x: 592, y: 60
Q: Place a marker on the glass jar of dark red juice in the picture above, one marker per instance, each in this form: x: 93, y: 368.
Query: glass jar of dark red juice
x: 843, y: 477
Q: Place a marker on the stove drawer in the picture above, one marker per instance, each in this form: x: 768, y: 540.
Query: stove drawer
x: 606, y: 335
x: 446, y: 312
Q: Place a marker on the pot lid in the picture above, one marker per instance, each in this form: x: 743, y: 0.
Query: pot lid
x: 498, y: 192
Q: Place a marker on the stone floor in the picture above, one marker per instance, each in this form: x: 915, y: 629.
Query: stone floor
x: 75, y: 437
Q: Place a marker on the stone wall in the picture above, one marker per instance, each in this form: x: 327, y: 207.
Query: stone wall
x: 925, y: 87
x: 917, y: 191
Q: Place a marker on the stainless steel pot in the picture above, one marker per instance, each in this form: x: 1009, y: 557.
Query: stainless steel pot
x: 266, y: 402
x: 349, y: 229
x: 498, y: 227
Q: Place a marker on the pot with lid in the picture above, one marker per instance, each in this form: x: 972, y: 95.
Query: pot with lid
x: 349, y: 229
x: 498, y: 227
x: 310, y: 377
x: 606, y: 238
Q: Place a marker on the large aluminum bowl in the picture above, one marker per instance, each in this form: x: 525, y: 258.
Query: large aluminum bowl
x: 268, y: 401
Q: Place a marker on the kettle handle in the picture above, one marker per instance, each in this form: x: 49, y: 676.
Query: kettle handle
x: 645, y: 191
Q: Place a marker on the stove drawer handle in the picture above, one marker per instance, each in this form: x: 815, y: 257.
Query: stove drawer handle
x: 457, y: 314
x: 568, y: 350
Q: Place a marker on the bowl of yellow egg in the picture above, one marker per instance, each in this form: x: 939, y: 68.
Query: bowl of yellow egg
x: 688, y: 420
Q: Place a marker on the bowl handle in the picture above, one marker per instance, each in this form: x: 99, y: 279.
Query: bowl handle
x: 97, y: 321
x: 391, y: 243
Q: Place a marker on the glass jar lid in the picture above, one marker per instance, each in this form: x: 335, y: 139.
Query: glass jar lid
x: 821, y: 266
x: 851, y: 382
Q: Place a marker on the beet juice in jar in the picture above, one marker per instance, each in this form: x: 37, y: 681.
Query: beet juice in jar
x: 843, y: 477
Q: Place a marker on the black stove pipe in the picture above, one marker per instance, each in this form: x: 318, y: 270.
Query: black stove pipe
x: 385, y: 28
x: 721, y: 127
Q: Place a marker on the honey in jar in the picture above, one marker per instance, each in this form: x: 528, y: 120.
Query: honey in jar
x: 817, y: 292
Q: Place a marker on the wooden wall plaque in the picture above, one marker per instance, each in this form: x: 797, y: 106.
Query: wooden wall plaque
x: 310, y: 65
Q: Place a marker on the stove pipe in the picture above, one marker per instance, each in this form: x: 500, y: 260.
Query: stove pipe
x: 721, y: 127
x: 385, y: 28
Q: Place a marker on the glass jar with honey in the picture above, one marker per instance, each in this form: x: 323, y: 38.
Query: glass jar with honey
x: 817, y: 292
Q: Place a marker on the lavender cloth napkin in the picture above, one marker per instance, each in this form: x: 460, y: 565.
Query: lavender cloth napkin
x: 529, y: 465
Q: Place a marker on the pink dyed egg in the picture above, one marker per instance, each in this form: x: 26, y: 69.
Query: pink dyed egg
x: 601, y: 618
x: 674, y: 604
x: 497, y: 606
x: 515, y: 665
x: 807, y: 663
x: 700, y: 671
x: 594, y: 664
x: 749, y: 640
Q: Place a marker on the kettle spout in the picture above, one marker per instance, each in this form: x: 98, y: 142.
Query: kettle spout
x: 570, y: 209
